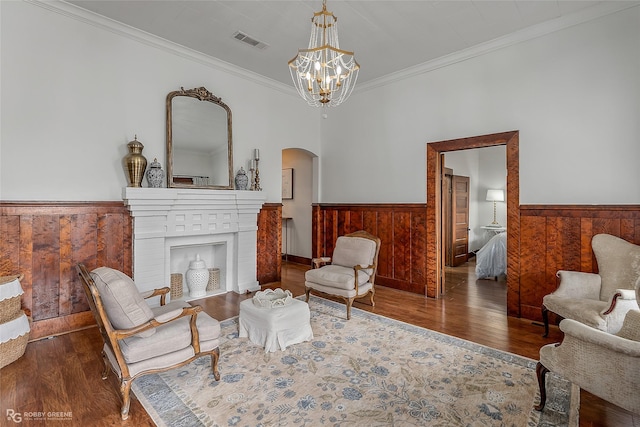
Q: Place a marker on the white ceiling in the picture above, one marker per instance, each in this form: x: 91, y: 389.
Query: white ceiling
x: 386, y: 36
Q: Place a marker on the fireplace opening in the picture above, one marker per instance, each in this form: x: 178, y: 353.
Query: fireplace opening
x: 214, y: 255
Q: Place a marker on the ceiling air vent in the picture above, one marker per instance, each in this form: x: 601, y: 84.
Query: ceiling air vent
x: 239, y: 35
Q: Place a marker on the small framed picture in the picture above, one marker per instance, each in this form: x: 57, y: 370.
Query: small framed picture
x: 287, y: 184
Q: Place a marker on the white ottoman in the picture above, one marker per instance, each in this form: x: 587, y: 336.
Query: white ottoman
x: 275, y: 328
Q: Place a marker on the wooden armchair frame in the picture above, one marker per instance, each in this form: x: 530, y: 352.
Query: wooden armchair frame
x: 319, y: 262
x: 112, y: 336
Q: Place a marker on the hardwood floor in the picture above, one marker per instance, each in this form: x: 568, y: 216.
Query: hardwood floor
x: 62, y: 374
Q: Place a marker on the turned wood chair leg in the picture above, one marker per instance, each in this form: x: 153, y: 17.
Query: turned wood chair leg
x: 105, y: 371
x: 349, y: 302
x: 373, y: 304
x: 215, y: 356
x: 545, y: 319
x: 541, y: 372
x: 125, y: 390
x: 307, y: 291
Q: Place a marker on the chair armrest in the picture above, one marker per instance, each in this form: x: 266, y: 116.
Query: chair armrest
x: 162, y: 292
x: 577, y: 284
x: 625, y: 298
x: 582, y: 332
x: 319, y: 262
x: 160, y: 320
x: 357, y: 268
x: 626, y: 293
x: 363, y: 267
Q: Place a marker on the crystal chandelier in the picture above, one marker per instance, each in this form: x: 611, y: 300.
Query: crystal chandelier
x: 323, y: 74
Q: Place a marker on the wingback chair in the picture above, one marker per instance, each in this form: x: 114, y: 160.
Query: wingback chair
x: 140, y: 340
x: 350, y: 273
x: 603, y: 364
x: 598, y: 300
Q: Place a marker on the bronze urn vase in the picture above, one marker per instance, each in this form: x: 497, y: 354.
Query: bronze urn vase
x: 135, y: 163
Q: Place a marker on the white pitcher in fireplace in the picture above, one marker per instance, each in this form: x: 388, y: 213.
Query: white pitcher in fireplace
x: 197, y: 278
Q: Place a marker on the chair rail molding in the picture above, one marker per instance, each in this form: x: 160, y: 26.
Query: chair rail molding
x: 167, y: 218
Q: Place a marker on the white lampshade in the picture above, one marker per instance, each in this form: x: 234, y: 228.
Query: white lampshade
x: 495, y: 195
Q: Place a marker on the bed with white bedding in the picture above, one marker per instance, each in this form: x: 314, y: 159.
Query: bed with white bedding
x: 491, y: 259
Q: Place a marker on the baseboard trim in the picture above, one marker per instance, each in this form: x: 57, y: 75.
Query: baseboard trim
x: 297, y: 259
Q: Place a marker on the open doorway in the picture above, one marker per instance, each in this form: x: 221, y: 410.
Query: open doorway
x: 472, y: 173
x: 299, y: 192
x: 435, y: 165
x: 474, y: 248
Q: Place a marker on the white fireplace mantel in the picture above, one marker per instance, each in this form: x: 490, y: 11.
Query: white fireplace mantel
x: 174, y: 217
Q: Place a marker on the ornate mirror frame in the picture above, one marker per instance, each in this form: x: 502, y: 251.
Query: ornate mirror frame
x: 201, y: 94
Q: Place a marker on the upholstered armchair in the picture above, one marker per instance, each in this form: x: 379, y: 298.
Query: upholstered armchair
x: 598, y: 300
x: 603, y: 364
x: 140, y: 340
x: 350, y: 273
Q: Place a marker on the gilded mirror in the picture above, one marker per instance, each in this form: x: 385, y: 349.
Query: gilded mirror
x: 199, y: 143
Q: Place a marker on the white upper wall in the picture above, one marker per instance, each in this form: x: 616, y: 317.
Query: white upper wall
x: 75, y: 92
x: 574, y: 95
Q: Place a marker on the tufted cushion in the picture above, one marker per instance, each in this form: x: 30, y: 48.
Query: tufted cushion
x: 618, y: 263
x: 351, y: 251
x: 121, y: 299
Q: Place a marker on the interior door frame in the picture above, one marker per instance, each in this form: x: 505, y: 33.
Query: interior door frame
x: 435, y: 164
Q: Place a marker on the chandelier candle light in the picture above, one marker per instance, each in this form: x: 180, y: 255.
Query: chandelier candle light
x: 324, y: 74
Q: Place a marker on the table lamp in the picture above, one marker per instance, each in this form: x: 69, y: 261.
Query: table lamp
x: 495, y: 196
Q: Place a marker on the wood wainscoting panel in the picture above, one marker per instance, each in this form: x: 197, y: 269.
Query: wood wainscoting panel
x: 400, y: 227
x: 559, y: 238
x: 45, y: 240
x: 269, y: 261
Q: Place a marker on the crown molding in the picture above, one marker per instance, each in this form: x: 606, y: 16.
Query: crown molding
x: 603, y: 9
x: 74, y: 12
x: 91, y: 18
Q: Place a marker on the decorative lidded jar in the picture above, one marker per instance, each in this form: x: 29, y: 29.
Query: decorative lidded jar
x: 242, y: 180
x: 135, y: 163
x: 155, y: 174
x: 197, y: 278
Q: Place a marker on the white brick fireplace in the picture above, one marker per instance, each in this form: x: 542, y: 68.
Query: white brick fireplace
x: 172, y: 225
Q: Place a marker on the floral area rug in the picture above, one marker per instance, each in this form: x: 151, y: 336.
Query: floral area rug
x: 367, y: 371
